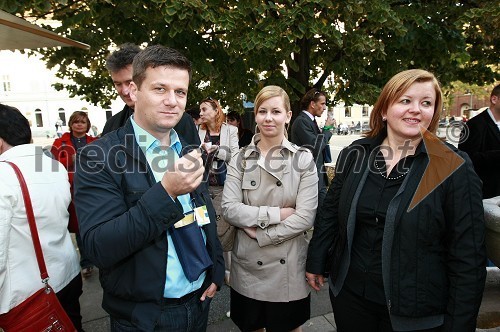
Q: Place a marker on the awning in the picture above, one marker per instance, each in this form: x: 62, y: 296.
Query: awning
x: 17, y: 34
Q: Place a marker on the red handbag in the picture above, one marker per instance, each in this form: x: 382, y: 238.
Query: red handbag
x: 42, y: 310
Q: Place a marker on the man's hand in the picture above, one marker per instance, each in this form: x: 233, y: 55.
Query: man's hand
x: 210, y: 292
x: 316, y: 281
x: 286, y: 212
x: 185, y: 175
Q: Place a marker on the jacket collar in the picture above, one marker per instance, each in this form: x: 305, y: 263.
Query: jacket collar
x: 429, y: 145
x: 22, y: 150
x: 253, y: 148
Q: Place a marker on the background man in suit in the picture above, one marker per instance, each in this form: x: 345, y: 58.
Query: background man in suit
x: 119, y: 65
x: 305, y: 132
x: 480, y: 138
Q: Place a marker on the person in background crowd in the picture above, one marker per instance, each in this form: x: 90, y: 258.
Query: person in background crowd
x: 220, y: 141
x: 480, y: 138
x: 195, y: 114
x: 119, y: 65
x: 400, y: 261
x: 49, y: 190
x: 132, y: 188
x: 305, y: 132
x: 244, y: 135
x: 270, y: 195
x: 59, y: 127
x: 64, y: 150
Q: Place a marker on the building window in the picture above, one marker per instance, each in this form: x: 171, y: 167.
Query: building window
x: 365, y: 110
x: 62, y: 115
x: 38, y: 118
x: 348, y: 111
x: 5, y: 83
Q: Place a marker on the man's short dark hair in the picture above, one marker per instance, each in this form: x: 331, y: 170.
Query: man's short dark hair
x: 14, y: 127
x: 311, y: 95
x: 194, y: 112
x: 495, y: 91
x: 155, y: 56
x: 122, y: 57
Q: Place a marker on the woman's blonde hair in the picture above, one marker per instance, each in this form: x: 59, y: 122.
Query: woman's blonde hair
x: 394, y: 89
x: 220, y: 117
x: 269, y: 92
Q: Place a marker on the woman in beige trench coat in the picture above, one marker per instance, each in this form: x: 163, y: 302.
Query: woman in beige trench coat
x: 270, y: 195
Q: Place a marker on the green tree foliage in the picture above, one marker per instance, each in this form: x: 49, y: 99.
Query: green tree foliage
x: 239, y: 46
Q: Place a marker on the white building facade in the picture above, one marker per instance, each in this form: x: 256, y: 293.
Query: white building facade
x: 26, y: 83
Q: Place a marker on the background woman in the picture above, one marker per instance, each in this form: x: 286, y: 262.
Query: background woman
x: 404, y: 221
x: 244, y: 135
x: 64, y: 150
x: 220, y: 140
x: 50, y: 195
x: 271, y: 195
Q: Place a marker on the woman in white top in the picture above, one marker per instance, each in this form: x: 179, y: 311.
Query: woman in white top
x: 220, y: 140
x: 48, y: 185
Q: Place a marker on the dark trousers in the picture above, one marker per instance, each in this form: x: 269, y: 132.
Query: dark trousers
x: 190, y: 315
x: 69, y: 297
x: 354, y: 313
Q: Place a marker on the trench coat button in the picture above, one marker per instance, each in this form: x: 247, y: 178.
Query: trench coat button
x: 173, y: 215
x: 259, y: 263
x: 278, y: 183
x: 253, y: 183
x: 282, y: 261
x: 262, y: 224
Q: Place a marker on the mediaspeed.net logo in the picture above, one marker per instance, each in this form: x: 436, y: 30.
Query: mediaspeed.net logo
x: 443, y: 162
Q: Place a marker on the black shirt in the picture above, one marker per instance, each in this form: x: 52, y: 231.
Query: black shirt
x: 365, y: 271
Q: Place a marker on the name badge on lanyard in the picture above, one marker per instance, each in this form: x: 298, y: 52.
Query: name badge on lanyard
x: 201, y: 215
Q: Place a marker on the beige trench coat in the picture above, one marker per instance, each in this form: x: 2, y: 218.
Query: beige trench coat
x: 271, y: 267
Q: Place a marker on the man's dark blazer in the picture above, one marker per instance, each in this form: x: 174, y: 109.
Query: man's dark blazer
x: 481, y: 140
x: 185, y: 128
x: 123, y: 215
x: 306, y: 133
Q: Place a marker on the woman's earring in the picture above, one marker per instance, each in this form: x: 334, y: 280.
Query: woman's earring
x: 384, y: 118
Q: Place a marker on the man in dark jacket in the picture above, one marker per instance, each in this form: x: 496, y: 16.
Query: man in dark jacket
x: 305, y: 132
x: 119, y: 65
x: 145, y: 218
x: 481, y: 140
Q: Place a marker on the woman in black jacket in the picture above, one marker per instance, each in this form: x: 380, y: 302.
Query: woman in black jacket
x: 401, y: 231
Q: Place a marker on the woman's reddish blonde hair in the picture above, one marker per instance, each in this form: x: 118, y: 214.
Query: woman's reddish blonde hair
x: 220, y: 117
x: 394, y: 89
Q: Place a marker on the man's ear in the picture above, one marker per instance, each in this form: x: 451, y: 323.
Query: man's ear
x: 312, y: 104
x: 133, y: 91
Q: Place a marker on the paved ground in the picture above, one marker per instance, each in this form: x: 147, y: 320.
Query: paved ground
x: 96, y: 319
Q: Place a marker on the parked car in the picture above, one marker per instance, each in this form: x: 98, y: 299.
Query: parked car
x: 443, y: 123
